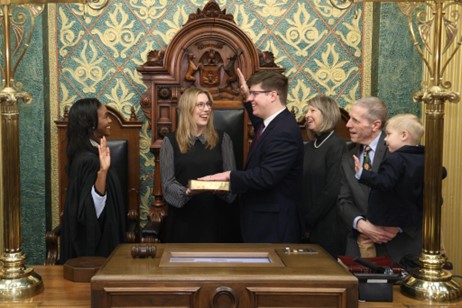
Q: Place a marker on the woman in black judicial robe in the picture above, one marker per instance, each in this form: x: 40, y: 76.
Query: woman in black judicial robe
x: 94, y: 213
x: 194, y: 150
x: 321, y: 175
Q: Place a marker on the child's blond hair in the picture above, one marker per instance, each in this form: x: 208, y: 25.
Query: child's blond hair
x: 410, y: 123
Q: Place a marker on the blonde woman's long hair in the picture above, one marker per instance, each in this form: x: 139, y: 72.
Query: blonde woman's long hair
x: 186, y: 124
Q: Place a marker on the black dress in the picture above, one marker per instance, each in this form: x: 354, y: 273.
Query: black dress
x: 84, y: 234
x: 321, y: 185
x: 205, y: 218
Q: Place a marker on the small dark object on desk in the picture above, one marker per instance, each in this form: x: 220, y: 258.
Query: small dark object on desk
x: 350, y: 264
x: 289, y: 250
x: 376, y: 287
x: 81, y: 269
x: 376, y: 276
x: 143, y: 251
x: 374, y: 267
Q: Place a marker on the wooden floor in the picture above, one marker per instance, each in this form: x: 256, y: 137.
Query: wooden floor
x: 401, y: 300
x: 59, y: 292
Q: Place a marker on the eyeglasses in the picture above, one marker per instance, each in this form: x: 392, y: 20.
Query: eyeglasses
x: 255, y: 93
x: 201, y: 105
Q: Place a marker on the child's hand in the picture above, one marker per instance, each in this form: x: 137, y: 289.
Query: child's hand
x: 357, y: 165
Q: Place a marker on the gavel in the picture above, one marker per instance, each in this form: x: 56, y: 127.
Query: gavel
x: 143, y: 251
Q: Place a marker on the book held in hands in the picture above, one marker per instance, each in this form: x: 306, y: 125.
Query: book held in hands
x: 208, y: 185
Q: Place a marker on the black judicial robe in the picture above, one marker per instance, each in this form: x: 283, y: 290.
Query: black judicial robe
x: 83, y: 234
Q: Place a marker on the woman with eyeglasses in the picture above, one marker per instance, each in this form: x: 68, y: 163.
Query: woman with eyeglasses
x: 194, y: 150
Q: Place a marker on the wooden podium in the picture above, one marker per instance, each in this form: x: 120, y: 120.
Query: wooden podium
x: 224, y: 275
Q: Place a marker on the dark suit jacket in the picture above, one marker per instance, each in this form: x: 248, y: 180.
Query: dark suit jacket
x: 396, y: 197
x: 270, y: 187
x: 353, y: 202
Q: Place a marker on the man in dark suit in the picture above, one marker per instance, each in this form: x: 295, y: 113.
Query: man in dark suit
x: 270, y: 187
x: 367, y: 117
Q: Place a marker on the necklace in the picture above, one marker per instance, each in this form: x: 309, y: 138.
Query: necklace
x: 322, y: 142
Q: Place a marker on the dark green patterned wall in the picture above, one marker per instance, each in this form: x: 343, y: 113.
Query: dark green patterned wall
x: 33, y: 149
x: 399, y: 72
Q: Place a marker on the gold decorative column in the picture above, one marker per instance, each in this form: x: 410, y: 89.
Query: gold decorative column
x: 16, y: 280
x: 438, y: 31
x: 433, y: 31
x: 431, y: 282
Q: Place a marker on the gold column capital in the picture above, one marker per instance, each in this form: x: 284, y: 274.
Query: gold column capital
x: 436, y: 95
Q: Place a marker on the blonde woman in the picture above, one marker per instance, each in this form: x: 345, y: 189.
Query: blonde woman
x: 321, y: 175
x: 194, y: 150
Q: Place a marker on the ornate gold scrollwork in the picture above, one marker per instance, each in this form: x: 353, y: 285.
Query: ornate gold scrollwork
x: 97, y: 4
x: 341, y: 4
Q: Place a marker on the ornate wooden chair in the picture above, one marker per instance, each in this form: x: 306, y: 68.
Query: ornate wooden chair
x: 125, y: 157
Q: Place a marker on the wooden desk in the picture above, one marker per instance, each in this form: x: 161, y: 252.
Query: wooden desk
x: 59, y: 292
x: 224, y: 275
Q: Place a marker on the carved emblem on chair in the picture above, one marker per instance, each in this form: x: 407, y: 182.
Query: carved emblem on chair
x: 230, y: 70
x: 155, y: 58
x: 211, y: 10
x: 266, y: 59
x: 211, y: 65
x: 192, y: 68
x: 211, y: 71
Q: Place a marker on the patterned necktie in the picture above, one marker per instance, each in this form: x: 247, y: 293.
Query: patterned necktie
x: 367, y: 164
x: 259, y: 132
